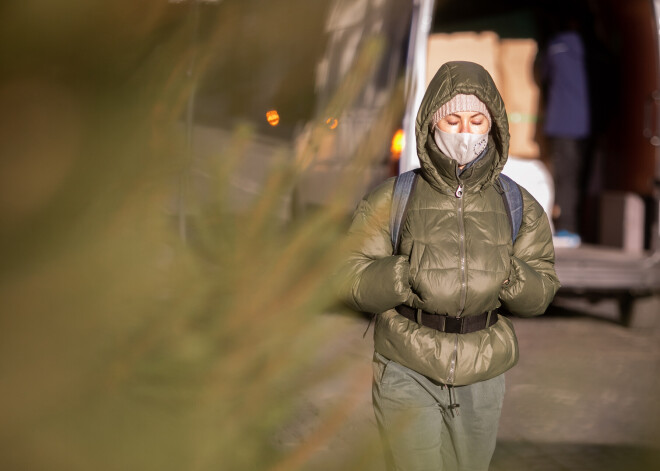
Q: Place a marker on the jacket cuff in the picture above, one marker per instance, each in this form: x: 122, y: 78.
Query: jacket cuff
x: 384, y: 284
x: 527, y: 293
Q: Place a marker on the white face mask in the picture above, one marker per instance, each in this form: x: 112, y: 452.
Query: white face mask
x: 462, y: 147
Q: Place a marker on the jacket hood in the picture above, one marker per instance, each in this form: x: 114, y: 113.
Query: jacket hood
x: 451, y: 79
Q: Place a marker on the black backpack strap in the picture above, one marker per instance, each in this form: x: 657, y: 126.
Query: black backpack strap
x: 513, y: 202
x: 403, y: 187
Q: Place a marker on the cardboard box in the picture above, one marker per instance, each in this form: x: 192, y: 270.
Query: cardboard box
x: 468, y: 46
x: 520, y: 93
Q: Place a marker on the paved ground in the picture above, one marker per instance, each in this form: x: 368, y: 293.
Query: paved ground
x: 583, y: 397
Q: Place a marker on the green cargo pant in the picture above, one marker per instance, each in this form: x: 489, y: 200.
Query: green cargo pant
x: 418, y: 429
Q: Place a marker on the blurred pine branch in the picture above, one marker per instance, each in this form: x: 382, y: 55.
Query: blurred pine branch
x: 124, y: 346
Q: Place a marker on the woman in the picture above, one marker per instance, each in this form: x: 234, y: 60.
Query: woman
x: 438, y: 389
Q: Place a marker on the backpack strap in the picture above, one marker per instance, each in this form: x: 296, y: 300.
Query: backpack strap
x: 513, y: 203
x: 403, y: 187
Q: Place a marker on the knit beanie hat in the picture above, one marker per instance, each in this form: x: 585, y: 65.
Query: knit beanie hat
x: 462, y: 103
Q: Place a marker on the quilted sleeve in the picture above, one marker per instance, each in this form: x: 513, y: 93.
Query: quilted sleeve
x: 532, y: 282
x: 372, y: 279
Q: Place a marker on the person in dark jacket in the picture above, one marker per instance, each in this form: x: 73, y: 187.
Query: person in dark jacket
x: 567, y: 126
x: 437, y: 394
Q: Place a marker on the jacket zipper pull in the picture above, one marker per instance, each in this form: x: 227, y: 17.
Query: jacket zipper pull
x: 459, y: 191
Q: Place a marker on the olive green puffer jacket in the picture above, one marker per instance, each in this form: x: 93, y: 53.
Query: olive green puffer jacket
x: 456, y: 255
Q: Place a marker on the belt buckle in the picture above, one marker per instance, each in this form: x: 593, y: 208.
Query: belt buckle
x: 452, y: 322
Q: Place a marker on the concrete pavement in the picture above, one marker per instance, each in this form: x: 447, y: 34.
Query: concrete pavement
x: 583, y: 396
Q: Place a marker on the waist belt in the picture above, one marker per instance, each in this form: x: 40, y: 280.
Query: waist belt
x: 445, y: 323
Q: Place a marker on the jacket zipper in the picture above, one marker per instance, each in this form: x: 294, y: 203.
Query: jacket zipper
x: 461, y: 244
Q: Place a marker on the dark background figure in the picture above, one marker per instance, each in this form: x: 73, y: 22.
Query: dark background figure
x: 567, y: 124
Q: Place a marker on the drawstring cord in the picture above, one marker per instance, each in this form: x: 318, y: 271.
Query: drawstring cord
x: 368, y: 325
x: 452, y: 404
